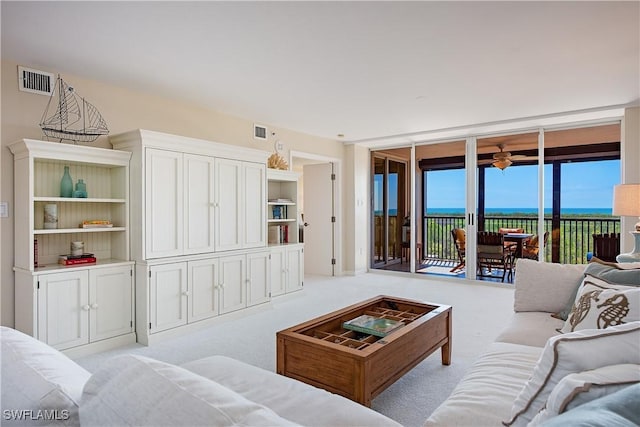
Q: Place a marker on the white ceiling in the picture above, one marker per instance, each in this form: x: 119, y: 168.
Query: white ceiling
x: 362, y: 69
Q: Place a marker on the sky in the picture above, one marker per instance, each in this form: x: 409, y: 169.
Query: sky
x: 584, y: 185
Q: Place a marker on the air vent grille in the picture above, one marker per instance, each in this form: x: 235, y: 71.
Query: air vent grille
x: 35, y: 81
x: 259, y: 132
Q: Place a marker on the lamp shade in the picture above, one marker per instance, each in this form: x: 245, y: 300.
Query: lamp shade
x: 626, y: 200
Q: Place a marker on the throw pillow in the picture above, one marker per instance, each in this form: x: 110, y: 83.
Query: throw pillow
x: 628, y: 274
x: 579, y: 388
x: 545, y: 286
x: 138, y: 391
x: 619, y: 409
x: 570, y: 353
x: 600, y: 304
x: 38, y: 378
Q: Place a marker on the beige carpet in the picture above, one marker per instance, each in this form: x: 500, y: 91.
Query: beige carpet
x: 479, y: 312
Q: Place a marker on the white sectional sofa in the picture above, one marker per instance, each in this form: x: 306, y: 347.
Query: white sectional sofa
x: 533, y: 372
x: 41, y: 386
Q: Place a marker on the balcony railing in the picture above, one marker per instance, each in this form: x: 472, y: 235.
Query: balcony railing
x: 574, y: 237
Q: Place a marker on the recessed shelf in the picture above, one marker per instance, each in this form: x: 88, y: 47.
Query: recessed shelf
x: 281, y: 220
x: 281, y: 203
x: 77, y: 200
x: 78, y: 230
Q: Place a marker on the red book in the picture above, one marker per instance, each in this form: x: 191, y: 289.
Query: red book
x: 76, y: 261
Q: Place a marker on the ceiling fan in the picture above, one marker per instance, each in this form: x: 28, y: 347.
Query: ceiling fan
x: 504, y: 159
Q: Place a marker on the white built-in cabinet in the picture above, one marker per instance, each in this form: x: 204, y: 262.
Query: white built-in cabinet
x: 287, y: 268
x: 240, y: 195
x: 72, y: 307
x: 287, y: 253
x: 201, y: 245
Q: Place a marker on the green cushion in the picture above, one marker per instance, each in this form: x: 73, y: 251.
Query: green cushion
x: 619, y: 409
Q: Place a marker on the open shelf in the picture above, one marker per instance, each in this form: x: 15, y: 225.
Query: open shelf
x: 77, y: 230
x: 76, y: 200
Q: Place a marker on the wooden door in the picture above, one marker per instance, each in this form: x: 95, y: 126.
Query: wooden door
x: 232, y: 283
x: 295, y: 268
x: 258, y: 278
x: 63, y: 309
x: 164, y: 187
x: 203, y: 293
x: 228, y: 217
x: 318, y: 212
x: 110, y: 302
x: 168, y: 296
x: 277, y: 270
x: 254, y: 205
x: 198, y: 204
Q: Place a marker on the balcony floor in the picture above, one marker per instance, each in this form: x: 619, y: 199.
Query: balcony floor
x: 444, y: 266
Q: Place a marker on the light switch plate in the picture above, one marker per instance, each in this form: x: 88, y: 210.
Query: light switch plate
x: 4, y: 210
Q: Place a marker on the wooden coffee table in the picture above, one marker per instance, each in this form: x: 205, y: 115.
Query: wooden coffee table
x: 359, y: 366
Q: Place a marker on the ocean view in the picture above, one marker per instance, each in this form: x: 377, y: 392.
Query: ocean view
x: 605, y: 212
x: 525, y: 211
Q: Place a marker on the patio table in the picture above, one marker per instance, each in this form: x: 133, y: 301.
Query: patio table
x: 519, y: 239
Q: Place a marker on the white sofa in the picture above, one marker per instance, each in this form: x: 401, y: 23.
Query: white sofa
x: 515, y: 378
x: 41, y: 386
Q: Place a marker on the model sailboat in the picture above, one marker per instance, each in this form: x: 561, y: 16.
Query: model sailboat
x: 74, y: 118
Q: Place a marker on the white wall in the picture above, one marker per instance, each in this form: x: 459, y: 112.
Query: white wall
x: 356, y: 211
x: 123, y: 110
x: 630, y: 169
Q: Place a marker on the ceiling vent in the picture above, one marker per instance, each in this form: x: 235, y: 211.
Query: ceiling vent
x: 260, y: 132
x: 35, y: 81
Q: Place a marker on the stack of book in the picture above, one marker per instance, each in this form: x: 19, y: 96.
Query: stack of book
x: 76, y: 259
x: 372, y: 325
x: 96, y: 223
x: 279, y: 234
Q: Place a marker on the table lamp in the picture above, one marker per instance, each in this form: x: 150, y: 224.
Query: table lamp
x: 626, y: 202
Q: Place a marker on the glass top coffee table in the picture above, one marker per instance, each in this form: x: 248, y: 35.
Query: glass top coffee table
x: 358, y: 365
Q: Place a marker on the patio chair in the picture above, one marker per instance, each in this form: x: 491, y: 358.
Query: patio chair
x: 606, y: 246
x: 512, y: 246
x: 460, y: 241
x: 531, y: 247
x: 492, y: 253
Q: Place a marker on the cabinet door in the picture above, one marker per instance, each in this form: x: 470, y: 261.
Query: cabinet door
x: 258, y: 278
x: 228, y: 217
x: 232, y: 284
x: 203, y: 292
x: 111, y: 302
x: 168, y: 296
x: 199, y: 204
x: 295, y: 268
x: 163, y: 203
x: 63, y: 309
x: 278, y: 271
x: 255, y: 220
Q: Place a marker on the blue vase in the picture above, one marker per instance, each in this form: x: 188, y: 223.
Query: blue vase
x: 66, y: 184
x: 81, y: 189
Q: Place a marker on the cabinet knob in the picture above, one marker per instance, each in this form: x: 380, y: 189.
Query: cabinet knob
x: 185, y: 293
x: 86, y: 307
x: 94, y: 306
x: 221, y: 285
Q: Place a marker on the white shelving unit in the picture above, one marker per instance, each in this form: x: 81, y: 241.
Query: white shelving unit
x: 282, y: 206
x: 287, y: 253
x: 97, y: 299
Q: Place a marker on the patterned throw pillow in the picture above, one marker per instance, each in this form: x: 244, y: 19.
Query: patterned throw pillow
x: 600, y: 304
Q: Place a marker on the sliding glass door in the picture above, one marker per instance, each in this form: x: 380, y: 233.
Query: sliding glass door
x: 389, y: 198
